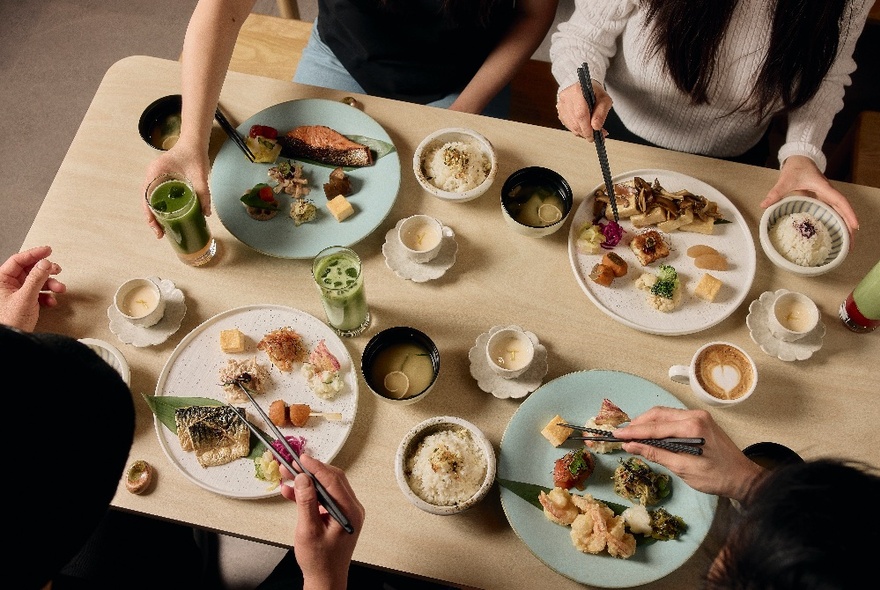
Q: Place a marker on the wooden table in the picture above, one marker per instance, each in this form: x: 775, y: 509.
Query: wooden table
x: 824, y: 406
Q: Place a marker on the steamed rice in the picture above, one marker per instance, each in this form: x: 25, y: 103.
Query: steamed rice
x: 447, y: 467
x: 801, y: 238
x: 457, y: 166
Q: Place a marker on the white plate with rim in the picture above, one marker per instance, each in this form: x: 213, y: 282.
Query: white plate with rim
x: 526, y: 456
x: 627, y: 304
x: 374, y: 188
x: 193, y: 370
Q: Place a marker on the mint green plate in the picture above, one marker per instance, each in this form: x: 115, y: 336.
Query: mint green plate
x: 526, y: 456
x: 374, y: 187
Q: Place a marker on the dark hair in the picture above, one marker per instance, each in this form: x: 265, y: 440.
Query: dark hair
x: 460, y: 11
x: 688, y: 35
x: 806, y: 526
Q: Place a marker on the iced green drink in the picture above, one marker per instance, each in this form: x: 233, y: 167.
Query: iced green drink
x: 338, y: 275
x: 176, y: 207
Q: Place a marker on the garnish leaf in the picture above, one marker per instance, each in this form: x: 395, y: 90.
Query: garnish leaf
x: 163, y: 407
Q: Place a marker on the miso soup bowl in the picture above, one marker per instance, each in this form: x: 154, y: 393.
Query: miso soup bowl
x: 548, y: 219
x: 484, y: 458
x: 386, y: 339
x: 154, y: 124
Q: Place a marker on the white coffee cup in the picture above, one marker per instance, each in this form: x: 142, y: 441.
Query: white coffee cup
x: 421, y: 237
x: 510, y: 352
x: 720, y: 374
x: 140, y: 301
x: 792, y: 316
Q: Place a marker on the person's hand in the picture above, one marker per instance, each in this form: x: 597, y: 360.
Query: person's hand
x: 26, y: 284
x: 800, y: 174
x: 322, y: 547
x: 722, y: 469
x: 189, y: 160
x: 574, y: 112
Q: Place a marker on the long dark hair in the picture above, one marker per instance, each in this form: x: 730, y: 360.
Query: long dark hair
x: 804, y: 40
x: 460, y: 11
x: 806, y: 526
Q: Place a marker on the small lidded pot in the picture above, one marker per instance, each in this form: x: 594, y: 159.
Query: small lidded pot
x: 421, y: 237
x: 140, y: 301
x: 510, y: 352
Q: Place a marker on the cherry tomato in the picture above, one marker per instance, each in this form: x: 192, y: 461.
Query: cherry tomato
x: 264, y: 131
x: 266, y: 194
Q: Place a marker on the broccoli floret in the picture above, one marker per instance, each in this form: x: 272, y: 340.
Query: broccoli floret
x: 667, y: 281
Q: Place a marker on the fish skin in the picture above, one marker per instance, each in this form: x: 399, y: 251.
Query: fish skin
x: 217, y: 434
x: 323, y: 144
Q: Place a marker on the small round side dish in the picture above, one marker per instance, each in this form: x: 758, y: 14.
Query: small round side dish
x: 449, y: 481
x: 455, y: 166
x: 110, y: 355
x: 796, y: 205
x: 159, y: 124
x: 771, y: 455
x: 400, y: 365
x: 536, y: 201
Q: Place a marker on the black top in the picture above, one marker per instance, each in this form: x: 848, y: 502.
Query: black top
x: 410, y: 52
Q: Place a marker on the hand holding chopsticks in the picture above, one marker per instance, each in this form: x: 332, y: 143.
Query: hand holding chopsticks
x: 323, y: 495
x: 598, y: 137
x: 674, y: 444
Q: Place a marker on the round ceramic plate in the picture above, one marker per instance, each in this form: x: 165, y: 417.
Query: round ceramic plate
x: 627, y: 304
x: 374, y: 187
x: 526, y: 456
x: 193, y: 370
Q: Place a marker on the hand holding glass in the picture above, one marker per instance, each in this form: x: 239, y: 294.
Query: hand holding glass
x: 176, y: 207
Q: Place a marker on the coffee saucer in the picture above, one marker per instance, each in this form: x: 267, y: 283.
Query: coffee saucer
x: 759, y: 329
x: 175, y: 309
x: 491, y: 382
x: 400, y: 263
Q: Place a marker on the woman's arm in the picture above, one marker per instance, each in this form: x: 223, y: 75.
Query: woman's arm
x: 207, y: 49
x: 530, y: 25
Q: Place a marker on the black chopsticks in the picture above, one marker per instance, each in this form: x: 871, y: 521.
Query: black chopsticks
x: 674, y: 444
x: 598, y: 137
x: 324, y: 497
x: 233, y: 134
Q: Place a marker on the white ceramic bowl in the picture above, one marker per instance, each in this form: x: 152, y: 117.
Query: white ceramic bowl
x: 824, y: 213
x: 437, y: 139
x: 111, y: 355
x: 409, y: 445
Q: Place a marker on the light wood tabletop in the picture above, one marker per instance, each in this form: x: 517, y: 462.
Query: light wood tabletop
x: 92, y: 217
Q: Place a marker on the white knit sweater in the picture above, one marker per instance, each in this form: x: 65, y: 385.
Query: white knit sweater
x: 611, y: 37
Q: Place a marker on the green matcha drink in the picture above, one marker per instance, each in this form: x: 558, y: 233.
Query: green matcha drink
x: 337, y: 273
x: 176, y: 207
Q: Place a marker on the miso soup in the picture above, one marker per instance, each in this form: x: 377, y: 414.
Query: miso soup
x: 534, y: 205
x: 398, y: 360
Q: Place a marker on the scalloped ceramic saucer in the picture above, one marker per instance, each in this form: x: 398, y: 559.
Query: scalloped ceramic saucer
x: 491, y: 382
x: 759, y: 329
x: 175, y: 309
x: 400, y: 263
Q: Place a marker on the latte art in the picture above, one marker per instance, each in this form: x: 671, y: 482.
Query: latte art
x: 724, y: 372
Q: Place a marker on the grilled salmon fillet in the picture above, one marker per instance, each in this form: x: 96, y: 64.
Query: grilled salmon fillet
x: 323, y: 144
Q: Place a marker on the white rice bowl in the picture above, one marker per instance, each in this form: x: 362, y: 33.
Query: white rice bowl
x: 801, y: 238
x: 457, y: 166
x: 445, y: 465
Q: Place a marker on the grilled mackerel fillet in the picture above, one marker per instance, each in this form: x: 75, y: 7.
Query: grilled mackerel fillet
x: 323, y: 144
x: 216, y: 433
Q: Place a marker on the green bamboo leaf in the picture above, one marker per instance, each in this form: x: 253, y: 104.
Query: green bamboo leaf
x: 163, y: 407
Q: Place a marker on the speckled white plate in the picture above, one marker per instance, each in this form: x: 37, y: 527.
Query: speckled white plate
x: 627, y: 304
x: 759, y: 330
x: 491, y: 382
x: 406, y: 268
x: 111, y: 355
x: 193, y: 370
x: 175, y: 309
